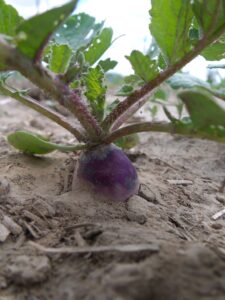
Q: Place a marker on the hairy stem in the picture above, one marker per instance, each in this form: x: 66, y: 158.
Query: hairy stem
x: 129, y: 113
x: 136, y: 96
x: 160, y: 127
x: 44, y: 79
x: 57, y: 118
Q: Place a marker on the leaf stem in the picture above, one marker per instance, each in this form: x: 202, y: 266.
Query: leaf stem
x: 161, y: 127
x: 132, y: 99
x: 28, y: 101
x: 52, y: 85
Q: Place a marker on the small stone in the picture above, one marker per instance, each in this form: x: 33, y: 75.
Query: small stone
x: 36, y: 124
x: 4, y: 233
x: 217, y: 226
x: 137, y: 209
x: 12, y: 226
x: 25, y: 270
x: 4, y: 188
x: 3, y: 283
x: 221, y: 198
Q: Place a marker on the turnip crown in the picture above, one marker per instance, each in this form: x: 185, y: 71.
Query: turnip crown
x: 109, y: 171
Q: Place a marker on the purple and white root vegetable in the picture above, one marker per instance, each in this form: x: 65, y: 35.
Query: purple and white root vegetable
x: 109, y: 172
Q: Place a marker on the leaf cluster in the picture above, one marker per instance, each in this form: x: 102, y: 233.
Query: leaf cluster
x: 64, y: 58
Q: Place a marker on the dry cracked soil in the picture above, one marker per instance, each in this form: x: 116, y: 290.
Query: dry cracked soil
x: 167, y: 242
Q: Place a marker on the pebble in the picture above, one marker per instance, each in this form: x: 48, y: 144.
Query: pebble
x: 4, y: 233
x: 4, y: 188
x: 3, y: 283
x: 217, y: 226
x: 36, y: 124
x: 12, y: 226
x: 137, y: 209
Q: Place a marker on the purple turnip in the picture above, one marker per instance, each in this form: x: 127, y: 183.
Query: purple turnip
x: 73, y: 74
x: 108, y: 172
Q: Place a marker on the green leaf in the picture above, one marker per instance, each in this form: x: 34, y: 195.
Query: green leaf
x: 203, y: 109
x: 107, y: 64
x: 9, y: 19
x: 160, y: 94
x: 170, y: 24
x: 99, y: 45
x: 60, y: 58
x: 95, y: 91
x: 215, y: 51
x: 128, y: 141
x: 133, y: 79
x: 78, y: 31
x: 34, y: 33
x: 33, y: 144
x: 125, y: 90
x: 186, y: 127
x: 5, y: 75
x: 111, y: 106
x: 153, y: 110
x: 210, y: 15
x: 143, y: 66
x: 186, y: 81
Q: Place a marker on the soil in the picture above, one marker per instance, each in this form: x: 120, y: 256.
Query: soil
x: 164, y: 243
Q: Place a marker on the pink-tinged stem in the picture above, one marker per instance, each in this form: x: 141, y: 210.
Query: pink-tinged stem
x: 161, y: 127
x: 137, y: 95
x: 57, y: 118
x: 48, y: 82
x: 129, y: 113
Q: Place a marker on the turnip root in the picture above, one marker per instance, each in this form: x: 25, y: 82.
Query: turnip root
x: 108, y: 172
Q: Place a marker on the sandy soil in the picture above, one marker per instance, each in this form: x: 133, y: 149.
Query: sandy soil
x: 162, y: 244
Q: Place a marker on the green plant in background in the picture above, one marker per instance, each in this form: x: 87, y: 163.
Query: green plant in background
x: 63, y: 58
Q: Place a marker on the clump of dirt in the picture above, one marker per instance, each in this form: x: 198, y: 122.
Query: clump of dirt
x: 164, y: 243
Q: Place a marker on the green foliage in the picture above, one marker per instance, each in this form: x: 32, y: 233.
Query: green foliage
x: 170, y: 24
x: 216, y: 50
x: 9, y: 19
x: 99, y: 45
x: 143, y: 66
x: 78, y: 31
x: 107, y: 64
x: 4, y: 76
x: 95, y: 91
x: 153, y: 110
x: 125, y: 90
x: 111, y: 106
x: 131, y: 83
x: 186, y: 81
x: 210, y: 15
x: 160, y: 94
x: 34, y: 33
x: 30, y: 143
x: 211, y: 18
x: 128, y: 141
x: 74, y: 46
x: 203, y: 109
x: 60, y: 58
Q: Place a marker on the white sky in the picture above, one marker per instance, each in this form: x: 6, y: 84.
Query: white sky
x: 127, y: 17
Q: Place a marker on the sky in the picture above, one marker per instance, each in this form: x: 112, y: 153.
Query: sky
x: 128, y: 18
